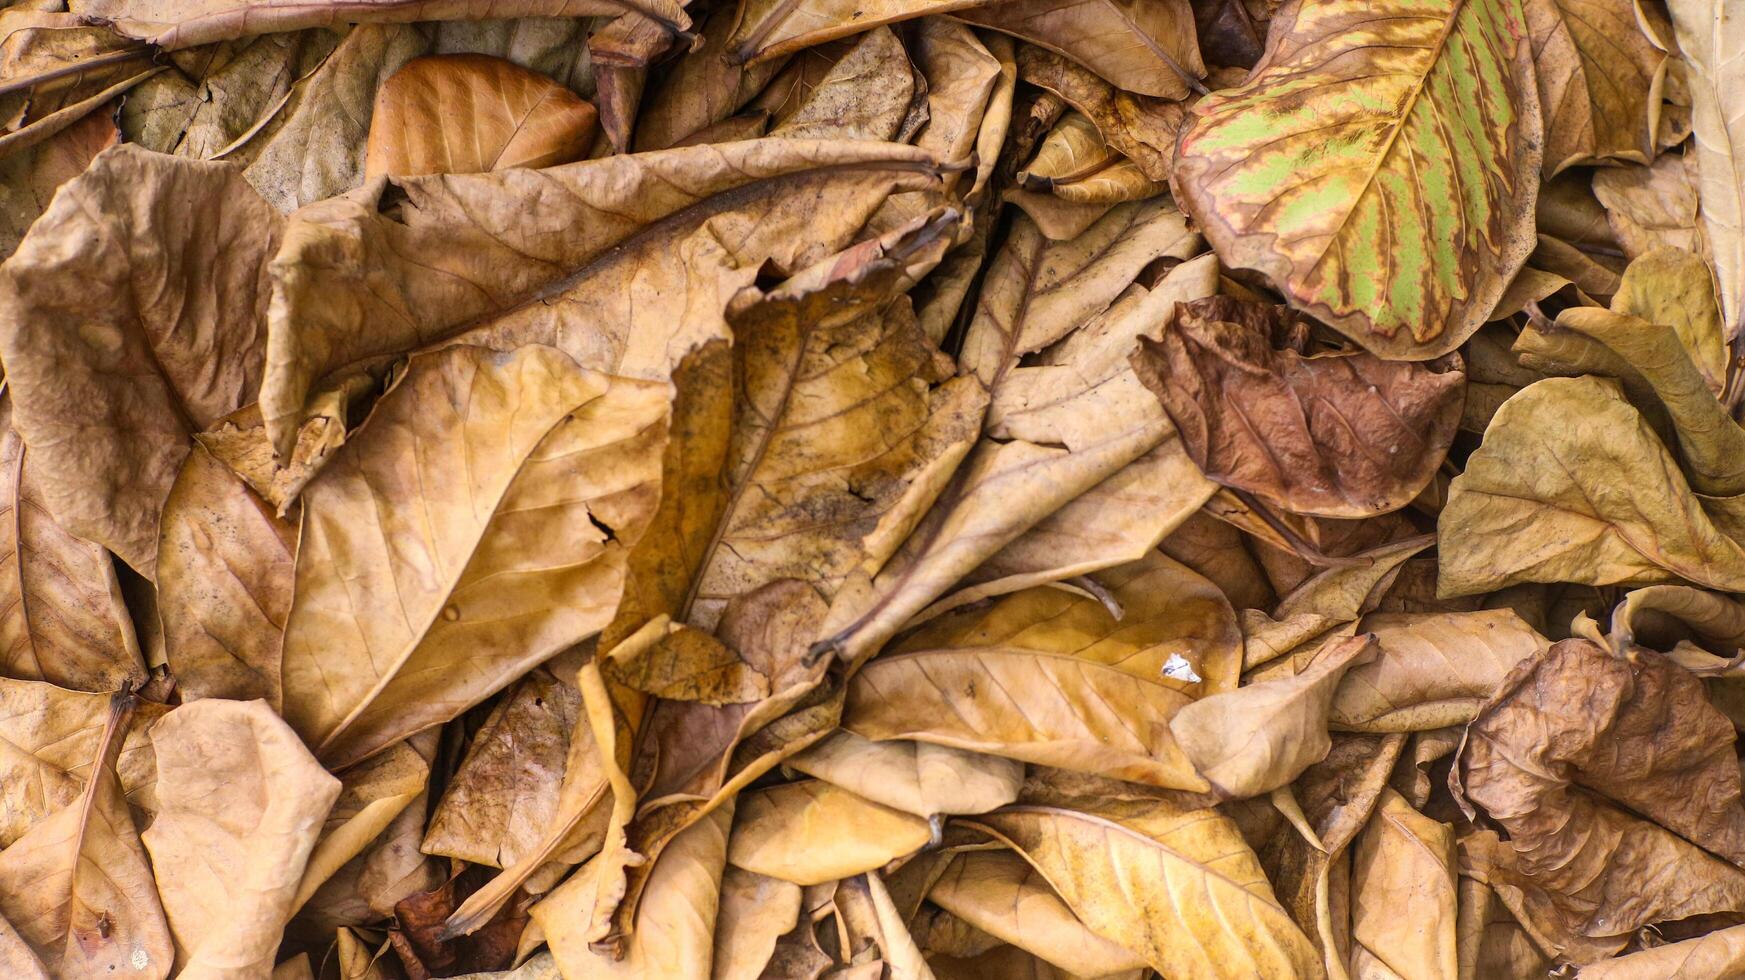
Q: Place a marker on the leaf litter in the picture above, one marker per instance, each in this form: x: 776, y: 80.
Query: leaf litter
x: 919, y: 489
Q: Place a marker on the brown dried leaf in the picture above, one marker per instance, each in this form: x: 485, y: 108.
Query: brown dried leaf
x: 1573, y: 737
x: 463, y: 114
x: 50, y: 735
x: 1001, y: 894
x: 173, y: 24
x: 1331, y: 435
x: 915, y: 777
x: 1127, y: 880
x: 63, y: 619
x: 812, y: 832
x: 500, y: 803
x: 355, y: 284
x: 225, y: 566
x: 148, y: 329
x: 522, y: 480
x: 1263, y: 735
x: 1404, y: 884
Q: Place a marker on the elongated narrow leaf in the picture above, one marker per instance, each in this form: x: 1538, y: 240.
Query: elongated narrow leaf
x: 64, y: 620
x: 1380, y: 166
x: 173, y: 24
x: 1712, y: 41
x: 353, y: 283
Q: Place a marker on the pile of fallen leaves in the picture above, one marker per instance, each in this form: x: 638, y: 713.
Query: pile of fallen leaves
x: 911, y: 489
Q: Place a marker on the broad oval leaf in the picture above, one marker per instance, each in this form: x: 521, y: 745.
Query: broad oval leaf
x: 77, y: 887
x: 1340, y: 434
x: 1380, y: 166
x: 1605, y: 500
x: 470, y: 113
x: 813, y: 832
x: 1181, y: 890
x: 132, y: 315
x: 241, y: 804
x: 1001, y: 894
x: 475, y: 527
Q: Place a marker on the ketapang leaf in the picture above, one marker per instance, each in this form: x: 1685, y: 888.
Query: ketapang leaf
x: 468, y: 113
x: 1379, y: 166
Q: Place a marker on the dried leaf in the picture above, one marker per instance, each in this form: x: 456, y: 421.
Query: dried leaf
x: 1709, y: 41
x: 1124, y: 881
x: 225, y: 566
x: 1431, y: 669
x: 1404, y: 881
x: 1263, y: 735
x: 1330, y: 435
x: 1000, y: 893
x: 1406, y: 236
x: 76, y: 887
x: 147, y: 331
x: 64, y: 618
x: 356, y: 284
x: 500, y: 803
x: 532, y: 478
x: 1599, y: 81
x: 51, y: 735
x: 1569, y: 481
x: 462, y: 114
x: 173, y: 24
x: 674, y: 937
x: 1573, y: 737
x: 812, y: 832
x: 915, y: 777
x: 240, y: 806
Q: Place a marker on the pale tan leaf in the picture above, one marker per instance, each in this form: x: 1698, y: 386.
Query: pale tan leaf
x: 48, y: 737
x: 372, y: 795
x: 1181, y: 890
x: 675, y: 932
x: 28, y: 180
x: 77, y: 888
x: 915, y: 777
x: 225, y: 564
x: 1716, y: 954
x: 1581, y: 532
x: 173, y: 24
x: 811, y: 832
x: 1263, y: 735
x: 240, y: 806
x: 755, y: 911
x: 1712, y: 43
x: 354, y: 284
x: 1000, y: 893
x: 1403, y: 878
x: 1431, y: 669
